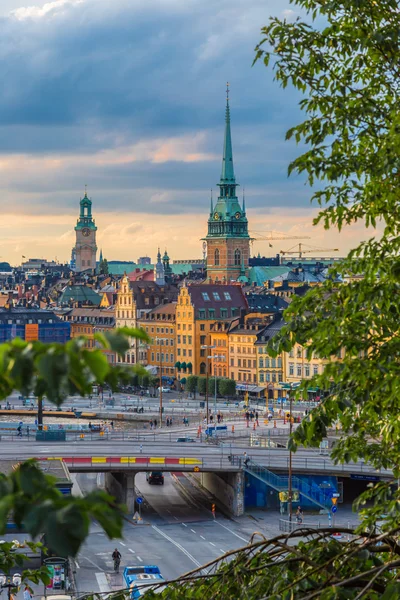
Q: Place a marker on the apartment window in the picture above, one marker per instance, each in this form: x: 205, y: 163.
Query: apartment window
x: 279, y: 363
x: 179, y: 326
x: 178, y: 352
x: 307, y: 371
x: 189, y: 326
x: 216, y: 296
x: 232, y: 375
x: 189, y: 353
x: 240, y: 377
x: 158, y: 357
x: 184, y: 352
x: 189, y: 339
x: 291, y: 369
x: 202, y: 327
x: 184, y: 339
x: 224, y: 313
x: 239, y: 362
x: 232, y: 362
x: 202, y: 353
x: 291, y: 353
x: 298, y: 352
x: 280, y: 377
x: 202, y: 313
x: 202, y: 340
x: 239, y: 349
x: 267, y: 377
x: 298, y: 370
x: 179, y: 339
x: 261, y: 363
x: 315, y: 369
x: 211, y: 313
x: 254, y: 364
x: 244, y: 363
x: 261, y: 377
x: 152, y: 357
x: 273, y: 363
x: 206, y: 297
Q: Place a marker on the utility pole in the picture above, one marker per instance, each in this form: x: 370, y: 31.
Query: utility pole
x: 290, y: 492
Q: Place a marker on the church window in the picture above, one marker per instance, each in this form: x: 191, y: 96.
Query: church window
x: 237, y: 257
x: 216, y: 258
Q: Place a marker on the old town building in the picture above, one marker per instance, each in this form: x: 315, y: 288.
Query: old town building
x: 89, y: 321
x: 85, y: 248
x: 160, y: 326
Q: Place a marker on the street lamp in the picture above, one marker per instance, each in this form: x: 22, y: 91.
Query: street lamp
x: 158, y: 343
x: 215, y: 357
x: 7, y: 582
x: 207, y: 348
x: 290, y: 494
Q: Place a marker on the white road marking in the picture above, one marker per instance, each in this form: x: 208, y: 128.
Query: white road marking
x: 122, y: 544
x: 193, y: 530
x: 102, y: 582
x: 93, y: 563
x: 141, y: 560
x: 223, y: 551
x: 130, y: 550
x: 184, y: 524
x: 102, y: 553
x: 211, y: 544
x: 77, y: 564
x: 176, y: 518
x: 181, y: 548
x: 232, y: 532
x: 202, y: 537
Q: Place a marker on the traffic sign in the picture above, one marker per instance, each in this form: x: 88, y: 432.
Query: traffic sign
x: 139, y: 500
x: 334, y: 500
x: 335, y: 495
x: 334, y: 509
x: 196, y: 469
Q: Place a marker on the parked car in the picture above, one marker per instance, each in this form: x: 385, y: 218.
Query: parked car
x: 165, y: 390
x: 185, y: 439
x: 155, y: 477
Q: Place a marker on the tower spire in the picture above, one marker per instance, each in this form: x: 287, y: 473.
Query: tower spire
x: 227, y: 174
x: 211, y: 204
x: 244, y: 204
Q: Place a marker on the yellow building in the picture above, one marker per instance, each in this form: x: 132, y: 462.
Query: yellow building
x: 219, y: 337
x: 199, y: 307
x: 160, y: 325
x: 88, y: 321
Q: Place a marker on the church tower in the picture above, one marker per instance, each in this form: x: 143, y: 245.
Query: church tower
x: 228, y: 241
x: 85, y: 248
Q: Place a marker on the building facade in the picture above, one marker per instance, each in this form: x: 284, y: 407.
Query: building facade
x: 160, y: 326
x: 228, y: 241
x: 32, y: 324
x: 85, y: 247
x: 89, y: 321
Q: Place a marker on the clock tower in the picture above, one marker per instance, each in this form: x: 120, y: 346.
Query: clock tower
x: 228, y: 241
x: 85, y: 248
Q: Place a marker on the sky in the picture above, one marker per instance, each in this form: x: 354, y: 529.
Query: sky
x: 128, y: 98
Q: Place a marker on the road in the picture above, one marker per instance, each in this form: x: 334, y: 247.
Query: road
x: 179, y: 535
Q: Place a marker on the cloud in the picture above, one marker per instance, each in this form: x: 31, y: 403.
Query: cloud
x: 48, y: 10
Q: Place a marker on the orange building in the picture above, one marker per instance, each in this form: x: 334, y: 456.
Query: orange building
x: 160, y: 325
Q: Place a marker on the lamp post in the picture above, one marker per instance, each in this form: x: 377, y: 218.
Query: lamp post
x: 290, y: 493
x: 215, y: 357
x: 9, y: 584
x: 158, y: 342
x: 207, y: 348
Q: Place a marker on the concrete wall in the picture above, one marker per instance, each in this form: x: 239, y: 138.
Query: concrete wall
x: 227, y: 488
x: 122, y: 487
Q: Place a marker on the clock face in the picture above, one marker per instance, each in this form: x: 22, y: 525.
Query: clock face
x: 216, y: 216
x: 86, y: 232
x: 237, y: 215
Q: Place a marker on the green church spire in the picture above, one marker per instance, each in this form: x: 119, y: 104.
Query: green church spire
x: 227, y: 174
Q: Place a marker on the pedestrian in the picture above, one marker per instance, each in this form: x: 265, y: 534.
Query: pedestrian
x: 141, y: 448
x: 299, y: 515
x: 19, y: 429
x: 155, y: 423
x: 258, y: 425
x: 245, y: 459
x: 90, y: 425
x: 112, y: 424
x: 187, y: 422
x: 27, y: 430
x: 211, y: 418
x: 27, y: 593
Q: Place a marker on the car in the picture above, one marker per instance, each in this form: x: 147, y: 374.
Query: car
x: 155, y: 477
x: 185, y: 439
x: 141, y: 578
x: 165, y: 390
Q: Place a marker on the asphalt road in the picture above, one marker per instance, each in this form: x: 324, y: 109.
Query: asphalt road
x: 178, y: 536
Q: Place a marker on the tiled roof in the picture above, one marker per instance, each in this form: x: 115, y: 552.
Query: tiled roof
x: 214, y: 296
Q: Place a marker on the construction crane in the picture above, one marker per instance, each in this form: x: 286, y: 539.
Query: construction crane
x: 312, y: 250
x: 276, y: 235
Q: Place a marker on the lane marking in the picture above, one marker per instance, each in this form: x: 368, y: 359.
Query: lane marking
x: 212, y: 544
x: 130, y: 550
x: 77, y: 564
x: 184, y: 524
x: 93, y: 563
x: 102, y: 582
x: 223, y: 551
x: 122, y: 544
x: 202, y: 537
x: 193, y: 530
x: 232, y: 532
x: 176, y: 518
x: 141, y: 560
x: 181, y: 548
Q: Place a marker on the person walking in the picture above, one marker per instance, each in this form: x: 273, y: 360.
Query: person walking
x: 27, y: 430
x: 299, y: 515
x: 245, y: 459
x: 141, y: 448
x: 112, y: 424
x: 258, y: 424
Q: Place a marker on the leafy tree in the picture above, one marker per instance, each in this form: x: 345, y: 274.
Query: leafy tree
x: 226, y: 387
x: 202, y: 385
x: 191, y: 384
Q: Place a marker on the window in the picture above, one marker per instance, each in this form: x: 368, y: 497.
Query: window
x: 202, y: 368
x: 224, y: 313
x: 267, y: 363
x: 232, y: 375
x: 261, y: 363
x: 216, y: 296
x: 307, y: 371
x: 279, y: 362
x: 202, y: 313
x: 184, y: 352
x: 179, y: 339
x: 261, y: 377
x: 240, y: 377
x: 206, y: 297
x: 254, y: 364
x: 202, y: 353
x: 237, y: 257
x: 202, y: 340
x: 152, y: 357
x: 291, y: 353
x: 184, y: 339
x: 232, y: 362
x: 273, y: 363
x: 189, y: 339
x: 291, y: 369
x: 298, y: 352
x: 202, y: 327
x: 315, y: 369
x: 274, y: 377
x: 158, y: 357
x: 267, y: 377
x: 239, y: 362
x: 189, y: 353
x: 211, y: 313
x: 184, y: 327
x: 179, y: 351
x: 227, y: 296
x: 216, y: 258
x: 298, y: 370
x: 280, y: 377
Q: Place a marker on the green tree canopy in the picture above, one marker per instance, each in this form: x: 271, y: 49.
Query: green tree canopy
x: 227, y: 387
x: 191, y: 384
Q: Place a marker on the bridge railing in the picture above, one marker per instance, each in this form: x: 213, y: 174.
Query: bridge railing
x: 148, y: 463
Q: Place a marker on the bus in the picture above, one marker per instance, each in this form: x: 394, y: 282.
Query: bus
x: 140, y: 579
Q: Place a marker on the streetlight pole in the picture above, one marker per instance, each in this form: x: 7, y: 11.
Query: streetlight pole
x: 290, y: 493
x: 215, y: 357
x: 158, y: 341
x: 207, y: 348
x: 6, y: 582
